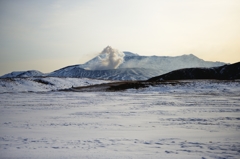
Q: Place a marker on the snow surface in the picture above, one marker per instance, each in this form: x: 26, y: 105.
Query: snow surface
x: 43, y: 84
x: 199, y: 119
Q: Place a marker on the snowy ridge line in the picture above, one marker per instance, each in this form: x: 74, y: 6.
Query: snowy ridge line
x: 23, y: 74
x: 43, y: 84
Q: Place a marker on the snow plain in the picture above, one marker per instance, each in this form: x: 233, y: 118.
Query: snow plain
x: 193, y: 120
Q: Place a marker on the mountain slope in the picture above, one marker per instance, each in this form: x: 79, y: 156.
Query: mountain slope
x: 113, y: 74
x: 30, y: 73
x: 226, y: 72
x: 98, y: 59
x: 166, y: 63
x: 163, y: 63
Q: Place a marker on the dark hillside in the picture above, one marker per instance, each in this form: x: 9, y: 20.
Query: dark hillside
x: 226, y: 72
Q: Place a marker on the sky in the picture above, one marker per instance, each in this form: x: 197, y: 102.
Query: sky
x: 50, y: 34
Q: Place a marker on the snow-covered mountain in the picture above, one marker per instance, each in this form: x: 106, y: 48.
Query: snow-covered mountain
x: 134, y: 67
x: 111, y: 64
x: 166, y: 63
x: 30, y: 73
x: 96, y: 61
x: 163, y: 63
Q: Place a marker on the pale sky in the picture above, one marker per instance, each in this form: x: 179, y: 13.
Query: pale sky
x: 46, y: 35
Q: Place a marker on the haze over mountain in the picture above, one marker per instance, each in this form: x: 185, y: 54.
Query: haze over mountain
x: 112, y: 64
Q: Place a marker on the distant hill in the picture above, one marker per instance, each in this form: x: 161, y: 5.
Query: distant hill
x: 30, y: 73
x: 226, y: 72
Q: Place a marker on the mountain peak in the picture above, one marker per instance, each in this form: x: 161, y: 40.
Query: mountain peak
x: 190, y: 56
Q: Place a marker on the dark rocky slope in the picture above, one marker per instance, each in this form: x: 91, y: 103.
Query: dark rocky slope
x: 226, y: 72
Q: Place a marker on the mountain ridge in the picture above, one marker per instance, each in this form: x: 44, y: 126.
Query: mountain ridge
x: 29, y: 73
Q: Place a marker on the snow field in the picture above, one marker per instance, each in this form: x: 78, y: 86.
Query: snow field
x: 156, y: 122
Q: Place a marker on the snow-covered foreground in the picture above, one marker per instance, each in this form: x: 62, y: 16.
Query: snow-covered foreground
x: 159, y: 122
